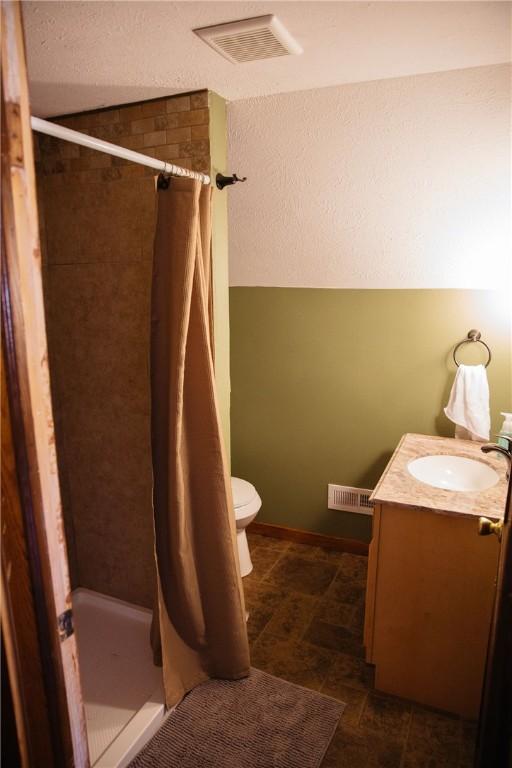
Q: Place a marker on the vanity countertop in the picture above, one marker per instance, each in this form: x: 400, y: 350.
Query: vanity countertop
x: 397, y: 486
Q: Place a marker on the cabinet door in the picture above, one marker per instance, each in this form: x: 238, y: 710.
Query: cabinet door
x: 435, y: 584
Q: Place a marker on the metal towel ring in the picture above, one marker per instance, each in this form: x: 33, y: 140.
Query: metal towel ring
x: 473, y: 335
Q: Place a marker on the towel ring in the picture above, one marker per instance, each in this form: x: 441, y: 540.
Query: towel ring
x: 473, y: 335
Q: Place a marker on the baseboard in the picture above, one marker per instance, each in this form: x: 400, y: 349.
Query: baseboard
x: 354, y: 546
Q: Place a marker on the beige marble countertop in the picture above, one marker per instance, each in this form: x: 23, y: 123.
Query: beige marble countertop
x: 397, y: 486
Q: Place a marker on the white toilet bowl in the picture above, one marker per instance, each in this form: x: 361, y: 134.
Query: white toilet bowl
x: 247, y: 504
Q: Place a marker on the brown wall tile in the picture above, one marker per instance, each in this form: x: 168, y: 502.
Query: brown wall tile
x: 179, y: 134
x: 168, y: 152
x: 69, y: 150
x: 199, y: 132
x: 201, y: 164
x: 106, y: 117
x: 152, y: 108
x: 146, y: 125
x: 178, y: 104
x: 195, y: 148
x: 199, y: 100
x: 166, y: 121
x: 127, y: 114
x: 194, y: 117
x: 135, y: 141
x: 154, y: 138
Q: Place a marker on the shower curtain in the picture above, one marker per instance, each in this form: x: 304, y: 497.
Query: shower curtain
x: 199, y: 630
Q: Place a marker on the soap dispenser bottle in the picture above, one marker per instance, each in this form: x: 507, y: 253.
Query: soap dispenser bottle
x: 505, y: 431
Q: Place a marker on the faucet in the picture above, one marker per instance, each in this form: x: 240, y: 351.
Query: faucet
x: 499, y: 449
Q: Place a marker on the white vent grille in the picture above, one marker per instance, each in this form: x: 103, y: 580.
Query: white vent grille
x: 263, y: 37
x: 349, y: 499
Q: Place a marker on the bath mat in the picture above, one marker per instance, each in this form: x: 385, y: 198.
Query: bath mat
x: 258, y: 722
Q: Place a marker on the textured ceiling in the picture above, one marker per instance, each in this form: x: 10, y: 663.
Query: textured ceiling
x: 83, y: 55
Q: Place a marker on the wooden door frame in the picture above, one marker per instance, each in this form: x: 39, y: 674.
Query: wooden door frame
x: 35, y: 473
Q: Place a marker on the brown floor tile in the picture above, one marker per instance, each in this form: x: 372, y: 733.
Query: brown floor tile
x: 423, y: 757
x: 350, y: 748
x: 354, y: 567
x: 353, y: 698
x: 260, y: 601
x: 259, y: 616
x: 252, y: 579
x: 292, y: 616
x: 294, y: 661
x: 352, y: 671
x: 334, y: 637
x: 331, y: 555
x: 434, y: 740
x: 303, y: 550
x: 386, y: 715
x: 309, y: 577
x: 345, y: 590
x: 254, y: 539
x: 429, y: 723
x: 299, y: 591
x: 263, y: 560
x: 259, y: 591
x: 333, y: 612
x: 357, y: 623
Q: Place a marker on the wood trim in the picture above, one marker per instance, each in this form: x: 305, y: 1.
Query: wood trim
x: 20, y: 633
x: 11, y: 755
x: 28, y: 380
x: 354, y: 546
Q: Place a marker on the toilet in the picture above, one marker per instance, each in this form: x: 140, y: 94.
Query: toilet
x: 247, y: 503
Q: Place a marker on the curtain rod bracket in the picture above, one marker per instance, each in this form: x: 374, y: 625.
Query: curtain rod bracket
x: 163, y: 181
x: 224, y: 181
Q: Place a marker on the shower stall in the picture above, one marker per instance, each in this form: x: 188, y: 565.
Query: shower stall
x: 97, y: 219
x: 122, y: 689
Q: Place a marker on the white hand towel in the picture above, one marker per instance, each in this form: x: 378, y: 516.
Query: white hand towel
x: 468, y: 406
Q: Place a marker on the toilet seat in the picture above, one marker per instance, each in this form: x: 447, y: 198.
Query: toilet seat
x: 246, y: 500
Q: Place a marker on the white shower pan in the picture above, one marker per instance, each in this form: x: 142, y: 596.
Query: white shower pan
x: 122, y: 689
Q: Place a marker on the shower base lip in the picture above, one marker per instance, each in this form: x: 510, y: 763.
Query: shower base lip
x: 129, y: 727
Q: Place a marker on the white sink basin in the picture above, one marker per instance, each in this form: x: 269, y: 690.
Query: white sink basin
x: 453, y: 473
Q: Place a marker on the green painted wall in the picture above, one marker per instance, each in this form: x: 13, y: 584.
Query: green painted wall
x: 218, y: 154
x: 325, y: 382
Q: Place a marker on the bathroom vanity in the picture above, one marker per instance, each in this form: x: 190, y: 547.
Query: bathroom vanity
x: 431, y: 579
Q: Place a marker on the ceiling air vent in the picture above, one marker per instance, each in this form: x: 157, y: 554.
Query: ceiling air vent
x: 263, y: 37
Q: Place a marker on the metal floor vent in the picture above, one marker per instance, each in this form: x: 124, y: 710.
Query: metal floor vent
x: 263, y: 37
x: 349, y: 499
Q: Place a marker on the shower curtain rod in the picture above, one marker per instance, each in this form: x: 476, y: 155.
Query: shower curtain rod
x: 60, y: 132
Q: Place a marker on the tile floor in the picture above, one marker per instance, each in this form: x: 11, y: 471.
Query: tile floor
x: 306, y: 613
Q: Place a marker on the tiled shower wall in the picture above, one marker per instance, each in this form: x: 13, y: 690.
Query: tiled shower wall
x: 97, y: 224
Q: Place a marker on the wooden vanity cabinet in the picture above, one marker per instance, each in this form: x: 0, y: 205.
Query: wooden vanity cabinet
x: 430, y: 593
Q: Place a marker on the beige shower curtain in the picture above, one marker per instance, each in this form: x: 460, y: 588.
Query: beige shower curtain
x: 202, y: 631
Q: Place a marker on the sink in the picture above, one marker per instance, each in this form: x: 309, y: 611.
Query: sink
x: 453, y: 473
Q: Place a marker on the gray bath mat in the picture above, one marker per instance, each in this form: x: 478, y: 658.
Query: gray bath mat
x: 258, y: 722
